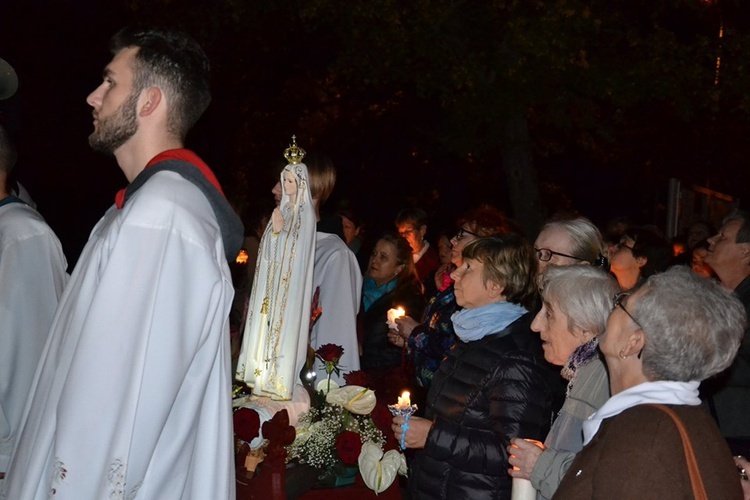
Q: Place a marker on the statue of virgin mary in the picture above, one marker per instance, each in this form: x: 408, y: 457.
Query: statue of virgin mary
x: 274, y: 345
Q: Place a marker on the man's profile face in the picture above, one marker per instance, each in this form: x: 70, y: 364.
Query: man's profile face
x: 114, y: 103
x: 724, y: 251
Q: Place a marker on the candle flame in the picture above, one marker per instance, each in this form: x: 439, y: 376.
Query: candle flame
x: 242, y: 257
x: 404, y: 400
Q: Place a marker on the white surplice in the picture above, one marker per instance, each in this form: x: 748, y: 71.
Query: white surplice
x: 32, y: 278
x: 337, y: 274
x: 274, y: 343
x: 133, y: 395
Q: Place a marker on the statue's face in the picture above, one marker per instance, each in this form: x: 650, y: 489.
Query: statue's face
x: 290, y: 184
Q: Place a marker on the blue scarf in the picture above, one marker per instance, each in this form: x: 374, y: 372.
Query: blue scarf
x: 371, y: 292
x: 474, y: 324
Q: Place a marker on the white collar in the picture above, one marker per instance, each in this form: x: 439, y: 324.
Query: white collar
x: 419, y: 254
x: 659, y: 392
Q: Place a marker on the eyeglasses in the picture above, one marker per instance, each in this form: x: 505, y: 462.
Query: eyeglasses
x: 461, y: 232
x: 407, y: 232
x: 545, y: 254
x: 618, y: 300
x: 622, y: 245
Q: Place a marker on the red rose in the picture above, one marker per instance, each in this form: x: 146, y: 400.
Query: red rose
x: 330, y: 353
x: 348, y: 446
x: 357, y: 377
x: 246, y: 424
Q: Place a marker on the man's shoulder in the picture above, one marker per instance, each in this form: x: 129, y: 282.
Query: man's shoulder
x: 21, y: 218
x: 329, y: 246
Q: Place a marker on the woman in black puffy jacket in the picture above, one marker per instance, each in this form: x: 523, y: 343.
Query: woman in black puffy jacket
x: 493, y: 385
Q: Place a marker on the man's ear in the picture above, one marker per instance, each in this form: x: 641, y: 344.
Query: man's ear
x: 151, y: 98
x: 745, y: 256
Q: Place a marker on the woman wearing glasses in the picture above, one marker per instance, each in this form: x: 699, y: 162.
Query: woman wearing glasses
x: 661, y: 341
x: 568, y: 242
x: 641, y: 252
x: 494, y: 383
x: 429, y: 341
x: 576, y: 301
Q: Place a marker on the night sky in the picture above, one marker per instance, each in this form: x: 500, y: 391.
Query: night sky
x: 59, y: 48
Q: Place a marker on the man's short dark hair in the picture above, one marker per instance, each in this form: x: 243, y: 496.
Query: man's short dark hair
x: 8, y: 154
x: 415, y: 215
x: 174, y: 62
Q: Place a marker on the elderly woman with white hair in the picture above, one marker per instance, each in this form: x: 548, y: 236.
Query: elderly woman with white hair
x: 576, y: 301
x: 651, y: 439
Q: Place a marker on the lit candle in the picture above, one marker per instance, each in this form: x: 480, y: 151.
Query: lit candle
x: 404, y: 400
x: 393, y: 314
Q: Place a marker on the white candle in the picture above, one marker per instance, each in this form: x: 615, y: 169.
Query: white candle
x: 522, y: 488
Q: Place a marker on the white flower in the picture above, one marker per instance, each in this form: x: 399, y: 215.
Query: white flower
x: 354, y: 398
x: 379, y: 470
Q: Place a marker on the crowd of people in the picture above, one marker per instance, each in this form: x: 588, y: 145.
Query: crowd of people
x: 592, y: 366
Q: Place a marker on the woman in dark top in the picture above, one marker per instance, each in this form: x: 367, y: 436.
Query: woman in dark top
x: 493, y: 385
x: 428, y: 342
x: 390, y: 282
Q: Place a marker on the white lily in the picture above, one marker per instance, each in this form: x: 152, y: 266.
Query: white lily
x: 354, y: 398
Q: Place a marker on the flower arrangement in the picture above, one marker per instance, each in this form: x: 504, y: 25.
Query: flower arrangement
x: 334, y: 433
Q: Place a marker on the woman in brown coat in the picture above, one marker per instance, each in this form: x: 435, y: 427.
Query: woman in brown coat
x: 661, y: 341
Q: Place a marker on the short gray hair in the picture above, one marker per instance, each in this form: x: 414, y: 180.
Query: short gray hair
x: 583, y: 293
x: 743, y: 233
x: 693, y: 326
x: 585, y: 236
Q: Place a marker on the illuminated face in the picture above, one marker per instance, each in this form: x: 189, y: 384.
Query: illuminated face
x: 290, y: 184
x: 384, y: 265
x: 413, y: 234
x: 724, y: 253
x: 470, y: 287
x: 558, y: 241
x: 114, y: 103
x: 558, y: 341
x: 623, y: 263
x: 463, y: 237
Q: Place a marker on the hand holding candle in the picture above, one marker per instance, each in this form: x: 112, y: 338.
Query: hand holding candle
x: 392, y: 315
x: 523, y: 454
x: 403, y: 408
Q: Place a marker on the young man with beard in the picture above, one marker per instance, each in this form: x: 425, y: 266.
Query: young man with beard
x: 132, y: 397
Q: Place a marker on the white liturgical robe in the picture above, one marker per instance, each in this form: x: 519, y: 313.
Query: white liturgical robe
x: 337, y: 274
x: 32, y: 278
x: 133, y: 395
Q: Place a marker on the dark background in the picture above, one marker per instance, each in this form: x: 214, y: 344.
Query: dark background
x: 412, y: 101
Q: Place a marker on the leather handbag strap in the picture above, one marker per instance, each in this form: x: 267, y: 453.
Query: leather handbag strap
x: 699, y: 491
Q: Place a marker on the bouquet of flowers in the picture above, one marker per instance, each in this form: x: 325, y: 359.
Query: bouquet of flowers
x: 334, y: 433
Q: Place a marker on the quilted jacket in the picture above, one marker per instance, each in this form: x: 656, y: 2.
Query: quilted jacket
x: 483, y: 394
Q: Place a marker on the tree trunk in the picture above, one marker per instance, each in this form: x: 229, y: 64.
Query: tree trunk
x: 518, y: 165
